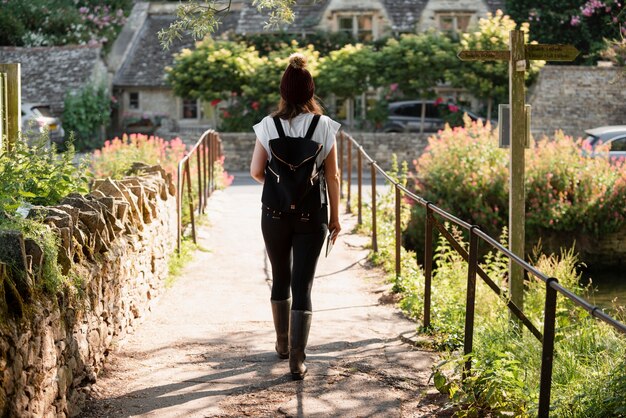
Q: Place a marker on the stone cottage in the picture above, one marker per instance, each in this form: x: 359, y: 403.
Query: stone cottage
x: 138, y: 61
x: 49, y: 73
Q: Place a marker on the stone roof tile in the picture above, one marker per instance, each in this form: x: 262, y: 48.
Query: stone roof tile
x: 49, y: 72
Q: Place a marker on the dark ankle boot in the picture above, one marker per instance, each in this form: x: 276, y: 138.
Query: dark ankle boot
x: 280, y: 312
x: 298, y: 336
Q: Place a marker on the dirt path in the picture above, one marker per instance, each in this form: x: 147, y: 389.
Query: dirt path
x: 207, y: 350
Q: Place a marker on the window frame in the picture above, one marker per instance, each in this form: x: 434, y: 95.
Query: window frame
x: 454, y: 15
x: 134, y: 103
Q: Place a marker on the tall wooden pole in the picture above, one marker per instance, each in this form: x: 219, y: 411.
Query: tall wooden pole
x: 517, y: 69
x: 13, y: 107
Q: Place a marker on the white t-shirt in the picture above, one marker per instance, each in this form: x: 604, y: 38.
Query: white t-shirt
x: 324, y: 132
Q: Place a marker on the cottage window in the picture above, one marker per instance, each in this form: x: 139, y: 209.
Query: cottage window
x: 190, y: 109
x: 360, y: 26
x: 133, y: 100
x: 453, y: 21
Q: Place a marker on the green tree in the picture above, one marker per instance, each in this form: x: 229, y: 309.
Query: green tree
x: 489, y: 80
x: 202, y: 18
x: 346, y: 73
x: 213, y: 71
x: 417, y: 63
x: 584, y: 24
x: 264, y: 88
x: 85, y: 114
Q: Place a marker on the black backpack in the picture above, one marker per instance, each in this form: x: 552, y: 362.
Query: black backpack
x: 293, y: 181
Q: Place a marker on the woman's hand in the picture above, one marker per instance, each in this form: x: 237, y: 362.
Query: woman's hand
x: 334, y: 227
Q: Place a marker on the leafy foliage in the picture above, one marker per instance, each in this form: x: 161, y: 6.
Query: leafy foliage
x: 346, y: 72
x: 118, y: 155
x: 465, y: 173
x: 61, y: 22
x: 85, y: 113
x: 201, y: 19
x: 213, y: 70
x: 416, y: 62
x: 38, y: 175
x: 584, y: 24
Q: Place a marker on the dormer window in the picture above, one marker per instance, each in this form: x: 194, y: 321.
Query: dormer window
x: 453, y: 21
x: 359, y: 25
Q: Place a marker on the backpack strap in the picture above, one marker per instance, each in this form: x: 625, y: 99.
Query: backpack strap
x: 279, y: 127
x: 309, y: 132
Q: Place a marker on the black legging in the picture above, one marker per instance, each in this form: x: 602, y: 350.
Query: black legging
x: 293, y: 246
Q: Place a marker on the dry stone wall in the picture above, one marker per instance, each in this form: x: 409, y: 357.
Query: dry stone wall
x: 115, y: 243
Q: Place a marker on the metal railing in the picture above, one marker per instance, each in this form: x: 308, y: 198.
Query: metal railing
x: 471, y: 257
x: 203, y: 155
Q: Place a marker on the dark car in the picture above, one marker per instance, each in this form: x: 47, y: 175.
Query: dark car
x: 614, y: 137
x: 406, y: 116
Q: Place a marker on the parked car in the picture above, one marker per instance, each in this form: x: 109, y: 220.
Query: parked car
x: 38, y: 118
x: 406, y: 116
x: 612, y: 136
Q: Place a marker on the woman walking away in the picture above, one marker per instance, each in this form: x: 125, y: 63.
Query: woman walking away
x: 295, y: 159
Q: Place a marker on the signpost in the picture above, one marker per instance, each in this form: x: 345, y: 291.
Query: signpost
x: 518, y: 55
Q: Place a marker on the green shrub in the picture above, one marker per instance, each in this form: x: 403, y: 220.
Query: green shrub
x: 38, y: 175
x: 118, y: 155
x: 464, y: 172
x: 85, y: 114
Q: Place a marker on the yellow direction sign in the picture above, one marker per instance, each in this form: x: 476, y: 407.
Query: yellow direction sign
x: 551, y: 52
x: 484, y: 55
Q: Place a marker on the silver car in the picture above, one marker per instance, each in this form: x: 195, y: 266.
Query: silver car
x: 613, y: 136
x: 38, y: 118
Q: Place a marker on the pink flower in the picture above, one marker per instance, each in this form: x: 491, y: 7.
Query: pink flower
x: 438, y: 101
x: 226, y: 114
x: 393, y: 87
x: 453, y: 108
x: 575, y: 21
x: 255, y: 105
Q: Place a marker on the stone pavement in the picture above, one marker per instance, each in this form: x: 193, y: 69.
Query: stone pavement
x: 207, y: 349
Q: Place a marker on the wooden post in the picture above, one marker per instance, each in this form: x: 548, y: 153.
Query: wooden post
x: 3, y: 101
x: 13, y: 105
x: 517, y: 70
x: 518, y: 56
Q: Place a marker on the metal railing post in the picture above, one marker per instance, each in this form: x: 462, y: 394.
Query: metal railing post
x: 398, y: 231
x: 547, y: 350
x: 360, y: 185
x: 199, y: 172
x: 190, y: 195
x: 374, y: 240
x: 428, y: 264
x: 471, y: 299
x: 349, y: 174
x: 179, y: 206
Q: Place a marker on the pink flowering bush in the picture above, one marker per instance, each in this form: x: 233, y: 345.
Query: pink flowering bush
x: 465, y: 172
x: 567, y: 191
x: 117, y: 155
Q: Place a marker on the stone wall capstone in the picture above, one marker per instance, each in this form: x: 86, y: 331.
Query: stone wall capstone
x: 116, y: 241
